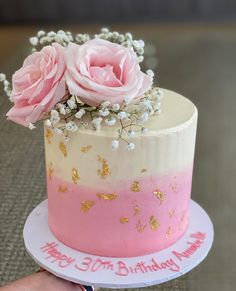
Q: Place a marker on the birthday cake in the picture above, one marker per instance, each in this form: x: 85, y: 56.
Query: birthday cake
x: 119, y: 151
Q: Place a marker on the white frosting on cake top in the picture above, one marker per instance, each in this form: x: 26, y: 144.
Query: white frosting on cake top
x: 177, y: 112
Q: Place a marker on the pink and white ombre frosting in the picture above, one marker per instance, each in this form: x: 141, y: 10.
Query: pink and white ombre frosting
x: 123, y: 203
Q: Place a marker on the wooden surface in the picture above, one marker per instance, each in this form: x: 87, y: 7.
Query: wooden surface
x: 198, y: 61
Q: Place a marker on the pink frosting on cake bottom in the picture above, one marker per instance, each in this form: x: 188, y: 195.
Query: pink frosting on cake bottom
x: 141, y: 216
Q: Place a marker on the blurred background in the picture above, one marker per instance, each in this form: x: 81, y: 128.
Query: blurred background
x: 108, y: 11
x: 192, y: 47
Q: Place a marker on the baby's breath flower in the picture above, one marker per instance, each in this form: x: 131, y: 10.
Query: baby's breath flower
x: 160, y: 94
x: 130, y: 146
x: 105, y: 30
x: 105, y: 103
x: 31, y: 126
x: 131, y: 133
x: 2, y: 77
x: 128, y: 36
x: 71, y: 103
x: 104, y: 112
x: 110, y: 121
x: 116, y: 107
x: 34, y: 41
x: 55, y: 118
x: 115, y: 144
x: 144, y: 117
x: 140, y: 59
x: 68, y: 110
x: 71, y: 126
x: 80, y: 113
x: 48, y: 123
x: 150, y: 73
x: 122, y: 115
x: 58, y: 131
x: 146, y: 104
x: 121, y: 38
x: 61, y: 108
x: 41, y: 33
x: 127, y: 100
x: 96, y: 122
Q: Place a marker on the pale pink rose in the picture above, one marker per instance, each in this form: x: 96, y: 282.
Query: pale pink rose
x: 101, y: 70
x: 38, y: 85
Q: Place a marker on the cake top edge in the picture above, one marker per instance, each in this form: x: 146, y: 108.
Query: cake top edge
x: 169, y: 121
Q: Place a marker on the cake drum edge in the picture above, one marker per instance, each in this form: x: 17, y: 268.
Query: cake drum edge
x: 78, y: 267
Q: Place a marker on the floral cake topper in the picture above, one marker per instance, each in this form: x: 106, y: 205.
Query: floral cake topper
x: 79, y: 81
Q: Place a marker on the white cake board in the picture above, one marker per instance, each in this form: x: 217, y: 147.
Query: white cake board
x: 142, y: 271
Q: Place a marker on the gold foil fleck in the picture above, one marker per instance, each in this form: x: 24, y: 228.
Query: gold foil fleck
x: 86, y: 205
x: 168, y: 232
x: 86, y: 149
x: 75, y: 176
x: 140, y: 227
x: 171, y: 213
x: 143, y: 170
x: 124, y: 220
x: 104, y: 196
x: 63, y: 149
x: 62, y: 189
x: 105, y: 170
x: 50, y: 170
x: 160, y: 195
x: 49, y: 135
x: 137, y: 209
x: 153, y: 222
x: 135, y: 187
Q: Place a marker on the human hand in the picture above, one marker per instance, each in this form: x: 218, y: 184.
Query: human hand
x: 44, y: 281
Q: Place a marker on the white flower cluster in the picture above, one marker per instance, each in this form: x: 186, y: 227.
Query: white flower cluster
x: 128, y: 119
x: 6, y: 85
x: 45, y: 38
x: 125, y: 40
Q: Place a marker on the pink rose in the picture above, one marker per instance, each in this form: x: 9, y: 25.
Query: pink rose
x: 38, y: 85
x: 101, y: 70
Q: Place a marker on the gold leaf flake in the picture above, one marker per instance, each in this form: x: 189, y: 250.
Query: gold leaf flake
x: 86, y: 149
x: 124, y: 220
x: 75, y: 176
x: 171, y: 213
x: 160, y: 195
x: 153, y: 222
x: 105, y: 170
x: 49, y: 135
x: 140, y: 227
x: 86, y: 205
x: 143, y: 170
x: 135, y: 187
x: 62, y: 189
x: 168, y: 232
x: 63, y: 149
x: 50, y: 170
x: 104, y: 196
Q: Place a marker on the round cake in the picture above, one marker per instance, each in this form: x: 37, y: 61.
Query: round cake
x: 123, y: 203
